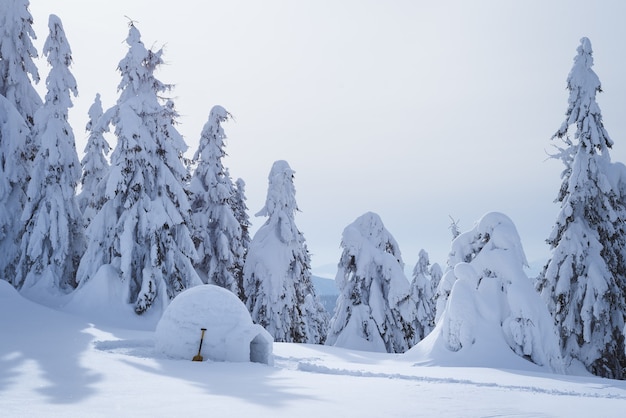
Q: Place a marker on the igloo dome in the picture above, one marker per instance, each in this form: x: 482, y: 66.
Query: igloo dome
x: 230, y: 333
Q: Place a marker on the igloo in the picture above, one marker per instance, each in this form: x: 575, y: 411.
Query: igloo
x: 230, y: 333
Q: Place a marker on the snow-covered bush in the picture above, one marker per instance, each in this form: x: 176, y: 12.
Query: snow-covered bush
x: 230, y: 334
x: 492, y: 304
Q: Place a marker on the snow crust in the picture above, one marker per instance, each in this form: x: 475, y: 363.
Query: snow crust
x: 230, y: 334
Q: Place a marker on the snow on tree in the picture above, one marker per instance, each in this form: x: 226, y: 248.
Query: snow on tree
x: 18, y: 103
x: 435, y: 277
x: 240, y: 209
x: 141, y: 230
x: 94, y: 164
x: 583, y: 283
x: 53, y: 241
x: 454, y: 227
x: 421, y: 299
x: 493, y: 307
x: 13, y: 170
x: 277, y: 274
x: 17, y: 51
x: 373, y: 310
x: 217, y: 232
x: 445, y: 281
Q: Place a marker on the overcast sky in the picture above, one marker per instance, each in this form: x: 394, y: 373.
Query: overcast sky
x: 415, y: 110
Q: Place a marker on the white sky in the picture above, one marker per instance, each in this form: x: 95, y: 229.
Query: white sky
x: 415, y: 110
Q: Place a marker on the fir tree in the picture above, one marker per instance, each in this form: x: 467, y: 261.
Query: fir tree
x: 13, y: 170
x: 18, y: 103
x: 583, y: 282
x: 421, y: 299
x: 94, y: 165
x: 454, y: 228
x: 240, y: 209
x: 373, y: 311
x: 17, y: 51
x: 53, y: 240
x: 277, y: 274
x: 141, y: 229
x: 217, y: 232
x: 435, y: 277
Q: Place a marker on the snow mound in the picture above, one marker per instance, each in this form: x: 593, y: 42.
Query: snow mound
x: 7, y: 293
x: 230, y: 333
x: 104, y: 300
x: 493, y: 317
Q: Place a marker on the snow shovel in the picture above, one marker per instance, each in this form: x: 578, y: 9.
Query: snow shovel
x: 199, y: 357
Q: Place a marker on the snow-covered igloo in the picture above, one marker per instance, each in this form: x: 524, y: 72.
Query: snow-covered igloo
x: 230, y: 333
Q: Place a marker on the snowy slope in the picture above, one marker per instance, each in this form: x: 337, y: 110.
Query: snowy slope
x: 54, y: 364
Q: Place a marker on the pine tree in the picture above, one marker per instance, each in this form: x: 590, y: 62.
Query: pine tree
x: 94, y: 164
x: 373, y: 312
x: 13, y: 170
x: 277, y: 274
x: 444, y: 282
x: 217, y: 232
x: 141, y: 229
x: 53, y: 240
x: 421, y: 299
x: 18, y: 103
x: 240, y: 209
x: 16, y: 58
x: 583, y: 282
x: 435, y: 277
x: 454, y: 228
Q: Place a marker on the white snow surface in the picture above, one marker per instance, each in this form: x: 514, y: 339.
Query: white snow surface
x: 54, y: 364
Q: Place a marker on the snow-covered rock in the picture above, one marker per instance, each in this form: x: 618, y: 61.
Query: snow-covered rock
x: 230, y: 333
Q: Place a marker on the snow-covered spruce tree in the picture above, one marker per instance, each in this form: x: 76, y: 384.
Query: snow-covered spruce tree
x: 373, y: 311
x: 216, y: 232
x: 53, y: 241
x: 454, y: 228
x: 443, y: 284
x: 18, y: 103
x: 94, y: 165
x: 17, y: 67
x: 141, y: 230
x: 240, y: 209
x: 421, y: 299
x: 492, y: 303
x: 277, y: 274
x: 583, y: 283
x: 435, y: 277
x: 13, y: 170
